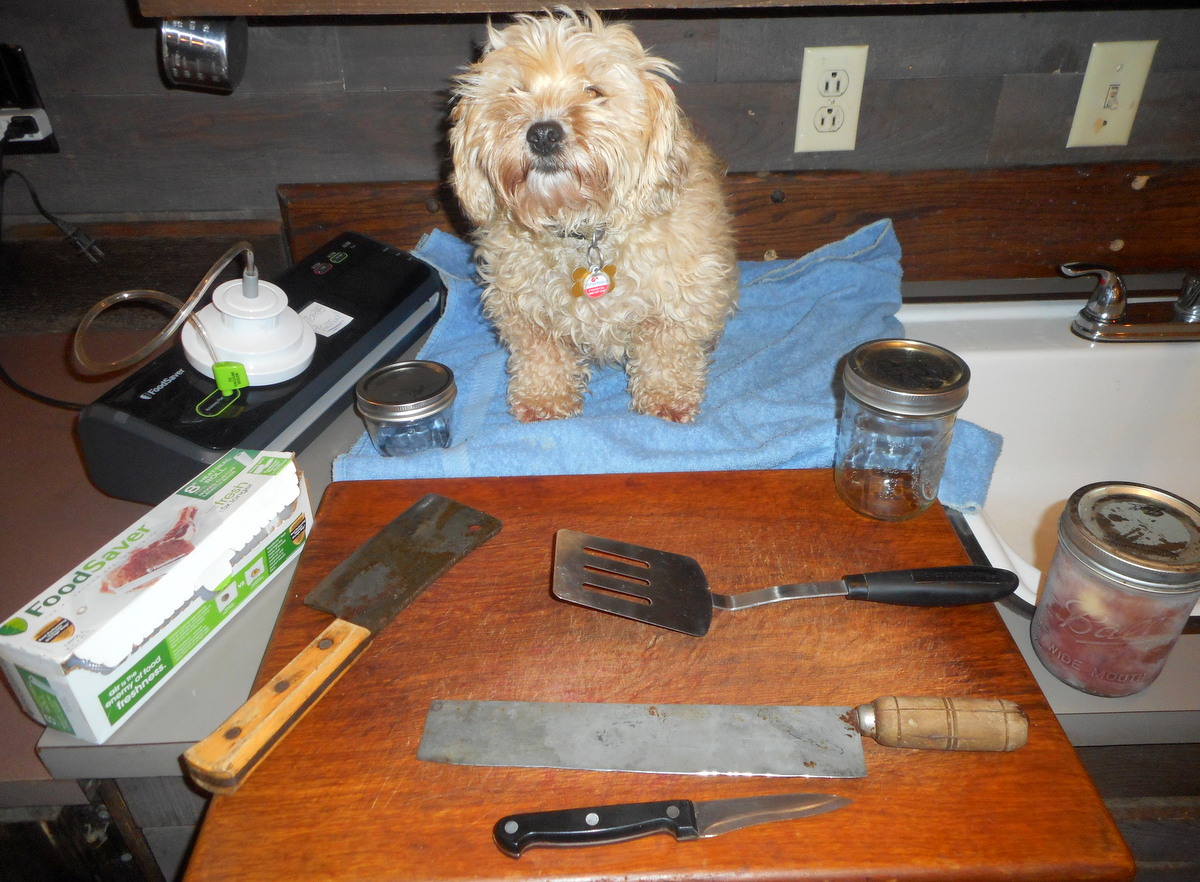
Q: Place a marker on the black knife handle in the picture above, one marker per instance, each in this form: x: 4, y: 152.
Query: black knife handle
x: 596, y: 825
x: 933, y: 586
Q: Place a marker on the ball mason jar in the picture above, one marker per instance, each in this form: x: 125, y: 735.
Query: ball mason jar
x: 897, y: 421
x: 405, y: 406
x: 1123, y: 581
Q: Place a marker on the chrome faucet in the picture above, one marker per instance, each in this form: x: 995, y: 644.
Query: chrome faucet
x: 1110, y: 317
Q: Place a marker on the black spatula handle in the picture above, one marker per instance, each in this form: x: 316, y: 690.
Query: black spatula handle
x: 595, y: 826
x: 932, y: 586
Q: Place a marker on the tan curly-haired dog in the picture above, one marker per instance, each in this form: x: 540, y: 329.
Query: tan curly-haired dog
x: 600, y: 228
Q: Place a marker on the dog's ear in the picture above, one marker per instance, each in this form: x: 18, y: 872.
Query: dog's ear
x: 495, y: 37
x: 471, y: 185
x: 668, y: 138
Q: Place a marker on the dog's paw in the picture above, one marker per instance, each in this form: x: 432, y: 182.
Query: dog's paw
x: 532, y: 410
x: 673, y: 411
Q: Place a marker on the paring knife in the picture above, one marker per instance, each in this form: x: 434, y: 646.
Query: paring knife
x: 365, y: 591
x: 710, y: 739
x: 682, y: 818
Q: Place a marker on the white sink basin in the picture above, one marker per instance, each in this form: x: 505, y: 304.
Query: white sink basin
x: 1072, y: 413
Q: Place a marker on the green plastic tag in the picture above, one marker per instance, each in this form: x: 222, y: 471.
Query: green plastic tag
x: 230, y: 375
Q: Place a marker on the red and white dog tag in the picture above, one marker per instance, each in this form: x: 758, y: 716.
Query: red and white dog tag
x: 593, y: 281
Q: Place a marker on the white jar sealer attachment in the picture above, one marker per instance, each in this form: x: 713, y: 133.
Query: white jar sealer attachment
x: 250, y: 322
x: 247, y: 336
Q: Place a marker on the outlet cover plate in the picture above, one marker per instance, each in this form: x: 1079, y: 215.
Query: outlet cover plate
x: 19, y: 97
x: 831, y: 86
x: 1111, y: 93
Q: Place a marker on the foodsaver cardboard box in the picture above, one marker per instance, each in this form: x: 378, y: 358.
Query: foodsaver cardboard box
x: 84, y: 655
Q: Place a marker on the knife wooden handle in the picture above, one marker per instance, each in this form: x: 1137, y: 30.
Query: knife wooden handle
x: 994, y: 724
x: 223, y: 760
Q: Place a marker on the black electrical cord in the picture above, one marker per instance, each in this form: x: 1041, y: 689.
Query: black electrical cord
x: 84, y: 243
x: 37, y: 396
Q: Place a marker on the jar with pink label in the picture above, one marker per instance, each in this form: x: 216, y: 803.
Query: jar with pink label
x: 1124, y: 580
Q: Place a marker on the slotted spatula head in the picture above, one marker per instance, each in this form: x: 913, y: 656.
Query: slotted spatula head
x: 644, y: 584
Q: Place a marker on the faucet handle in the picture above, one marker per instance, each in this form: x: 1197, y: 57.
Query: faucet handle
x: 1107, y: 302
x: 1187, y: 307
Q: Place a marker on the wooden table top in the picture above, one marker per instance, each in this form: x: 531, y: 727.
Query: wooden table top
x: 344, y: 796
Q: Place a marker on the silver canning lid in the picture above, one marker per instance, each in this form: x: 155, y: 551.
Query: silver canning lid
x: 406, y: 390
x: 1135, y: 533
x: 907, y: 377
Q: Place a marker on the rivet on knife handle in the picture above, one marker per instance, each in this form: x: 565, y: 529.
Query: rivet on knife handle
x: 985, y: 724
x: 221, y: 761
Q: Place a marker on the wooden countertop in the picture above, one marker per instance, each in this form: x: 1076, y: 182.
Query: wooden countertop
x: 344, y: 797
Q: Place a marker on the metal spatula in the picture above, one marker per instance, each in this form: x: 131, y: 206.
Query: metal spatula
x: 671, y: 590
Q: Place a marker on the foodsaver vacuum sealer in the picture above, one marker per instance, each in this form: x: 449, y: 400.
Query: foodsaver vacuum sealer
x: 367, y: 302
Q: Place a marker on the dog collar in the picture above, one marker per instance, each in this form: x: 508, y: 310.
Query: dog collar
x: 563, y: 233
x: 596, y: 278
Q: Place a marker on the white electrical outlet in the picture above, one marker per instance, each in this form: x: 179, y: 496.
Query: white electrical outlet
x: 1111, y: 92
x: 831, y: 84
x: 41, y: 128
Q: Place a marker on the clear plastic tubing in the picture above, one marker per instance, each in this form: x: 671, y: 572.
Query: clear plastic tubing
x: 185, y: 310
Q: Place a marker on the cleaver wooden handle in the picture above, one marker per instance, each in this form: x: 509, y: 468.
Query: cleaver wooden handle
x: 994, y: 724
x: 223, y: 760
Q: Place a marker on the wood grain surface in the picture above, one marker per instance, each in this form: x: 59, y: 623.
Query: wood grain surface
x: 344, y: 797
x: 1006, y: 223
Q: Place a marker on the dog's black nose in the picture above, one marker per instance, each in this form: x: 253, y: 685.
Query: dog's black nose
x: 545, y: 138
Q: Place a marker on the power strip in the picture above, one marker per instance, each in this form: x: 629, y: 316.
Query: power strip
x: 42, y: 128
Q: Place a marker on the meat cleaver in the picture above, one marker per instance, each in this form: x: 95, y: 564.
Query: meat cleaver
x: 707, y: 739
x: 365, y: 592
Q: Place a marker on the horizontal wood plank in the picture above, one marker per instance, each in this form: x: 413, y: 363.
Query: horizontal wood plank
x: 952, y: 225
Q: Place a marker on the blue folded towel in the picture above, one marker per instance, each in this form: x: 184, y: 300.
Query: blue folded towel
x: 771, y: 399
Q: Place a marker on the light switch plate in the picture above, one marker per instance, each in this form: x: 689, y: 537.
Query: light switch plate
x: 1111, y: 93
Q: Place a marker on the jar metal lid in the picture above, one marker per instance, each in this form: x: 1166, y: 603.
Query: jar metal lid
x: 406, y: 390
x: 907, y: 377
x: 1135, y: 533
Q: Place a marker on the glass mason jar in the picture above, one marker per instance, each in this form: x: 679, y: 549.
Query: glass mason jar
x: 1123, y: 581
x: 902, y: 397
x: 406, y: 406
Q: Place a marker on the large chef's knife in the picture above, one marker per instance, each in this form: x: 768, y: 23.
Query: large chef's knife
x: 682, y: 818
x: 365, y: 591
x: 706, y: 739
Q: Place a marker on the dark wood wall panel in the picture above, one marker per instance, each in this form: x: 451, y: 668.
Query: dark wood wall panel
x: 189, y: 158
x: 972, y: 224
x: 358, y: 98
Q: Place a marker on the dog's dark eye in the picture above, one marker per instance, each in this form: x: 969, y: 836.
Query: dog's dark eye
x: 593, y: 92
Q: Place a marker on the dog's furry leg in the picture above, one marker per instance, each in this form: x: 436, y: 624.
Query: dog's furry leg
x: 667, y: 371
x: 547, y: 376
